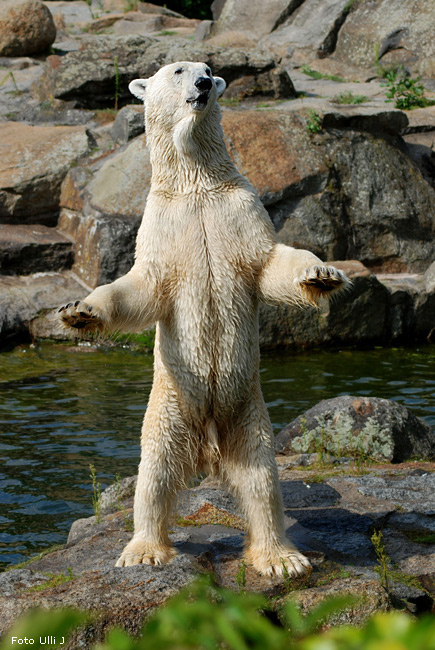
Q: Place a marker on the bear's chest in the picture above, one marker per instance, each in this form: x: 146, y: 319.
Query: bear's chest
x: 207, y: 242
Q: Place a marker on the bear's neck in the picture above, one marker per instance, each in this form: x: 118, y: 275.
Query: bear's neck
x: 190, y: 156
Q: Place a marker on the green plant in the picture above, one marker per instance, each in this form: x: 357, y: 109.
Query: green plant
x: 314, y: 122
x: 206, y: 617
x: 382, y: 568
x: 130, y: 5
x: 11, y: 75
x: 405, y: 92
x: 349, y: 98
x: 315, y: 74
x: 241, y: 576
x: 96, y: 496
x: 167, y: 32
x: 53, y: 580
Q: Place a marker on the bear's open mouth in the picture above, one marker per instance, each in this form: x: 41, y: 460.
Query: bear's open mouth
x: 200, y: 101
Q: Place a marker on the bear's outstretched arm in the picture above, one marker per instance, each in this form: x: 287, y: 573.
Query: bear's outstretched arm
x: 297, y: 276
x: 129, y: 304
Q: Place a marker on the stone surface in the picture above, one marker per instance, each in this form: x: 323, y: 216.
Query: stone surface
x: 257, y: 18
x: 21, y: 298
x: 88, y: 75
x: 394, y: 33
x: 359, y: 426
x: 313, y: 27
x: 30, y: 249
x: 31, y: 175
x: 331, y: 519
x: 128, y: 123
x: 26, y: 27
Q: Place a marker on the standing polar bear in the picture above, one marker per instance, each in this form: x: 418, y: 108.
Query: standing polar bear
x: 206, y: 255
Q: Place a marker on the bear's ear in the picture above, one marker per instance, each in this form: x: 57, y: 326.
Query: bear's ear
x: 138, y: 88
x: 220, y: 85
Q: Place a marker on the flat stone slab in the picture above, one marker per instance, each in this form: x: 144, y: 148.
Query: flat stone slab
x: 32, y: 249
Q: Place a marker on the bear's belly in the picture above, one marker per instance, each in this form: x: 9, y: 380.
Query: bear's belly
x: 208, y: 347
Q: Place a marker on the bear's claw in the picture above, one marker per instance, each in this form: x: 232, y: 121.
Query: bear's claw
x: 81, y: 316
x: 322, y: 280
x: 140, y: 552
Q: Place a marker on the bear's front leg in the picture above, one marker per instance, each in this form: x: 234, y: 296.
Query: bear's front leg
x: 296, y: 276
x: 166, y: 464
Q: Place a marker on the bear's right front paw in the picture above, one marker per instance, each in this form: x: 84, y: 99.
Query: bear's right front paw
x: 81, y: 316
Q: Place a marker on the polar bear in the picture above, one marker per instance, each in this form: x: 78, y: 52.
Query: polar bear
x: 206, y: 255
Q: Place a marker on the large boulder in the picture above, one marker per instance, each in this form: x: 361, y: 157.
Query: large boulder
x: 22, y: 297
x: 33, y: 163
x: 26, y: 27
x: 390, y: 33
x: 257, y: 18
x: 311, y: 29
x: 362, y: 427
x: 99, y: 73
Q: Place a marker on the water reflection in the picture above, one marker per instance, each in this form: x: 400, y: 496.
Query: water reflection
x: 62, y: 408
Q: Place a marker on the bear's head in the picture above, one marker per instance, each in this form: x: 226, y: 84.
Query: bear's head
x: 181, y: 108
x: 185, y: 88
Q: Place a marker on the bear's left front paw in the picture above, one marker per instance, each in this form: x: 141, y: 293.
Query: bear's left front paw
x: 320, y: 280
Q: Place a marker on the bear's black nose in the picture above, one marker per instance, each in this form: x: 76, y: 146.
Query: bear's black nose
x: 203, y: 83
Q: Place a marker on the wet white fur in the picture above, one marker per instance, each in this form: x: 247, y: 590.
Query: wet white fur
x: 206, y: 255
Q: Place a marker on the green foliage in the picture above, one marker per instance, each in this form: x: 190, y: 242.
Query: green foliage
x: 382, y: 568
x: 206, y: 617
x: 349, y: 98
x: 39, y: 624
x: 241, y: 576
x: 53, y: 580
x: 315, y: 74
x: 405, y: 92
x: 130, y: 5
x: 314, y: 122
x: 96, y: 496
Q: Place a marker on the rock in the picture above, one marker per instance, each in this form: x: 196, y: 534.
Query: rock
x: 101, y: 204
x: 313, y: 27
x: 354, y: 317
x: 369, y: 595
x: 393, y: 34
x: 32, y: 249
x: 26, y: 27
x: 105, y: 64
x: 359, y: 426
x: 285, y: 174
x: 31, y: 176
x: 128, y: 123
x: 22, y: 297
x: 330, y: 520
x: 256, y: 18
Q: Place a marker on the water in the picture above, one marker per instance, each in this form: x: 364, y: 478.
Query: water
x: 63, y: 408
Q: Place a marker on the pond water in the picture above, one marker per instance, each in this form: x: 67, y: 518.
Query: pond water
x: 63, y: 408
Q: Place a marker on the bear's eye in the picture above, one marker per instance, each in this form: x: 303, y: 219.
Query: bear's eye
x: 208, y: 71
x: 178, y: 70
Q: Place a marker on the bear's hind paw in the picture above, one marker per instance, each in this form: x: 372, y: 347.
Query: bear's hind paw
x: 140, y: 552
x: 273, y: 563
x: 81, y: 316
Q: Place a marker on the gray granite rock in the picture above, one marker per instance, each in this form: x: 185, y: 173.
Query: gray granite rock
x: 359, y: 426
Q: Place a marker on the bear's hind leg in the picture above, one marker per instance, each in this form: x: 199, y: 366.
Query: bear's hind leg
x: 249, y: 468
x: 165, y: 466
